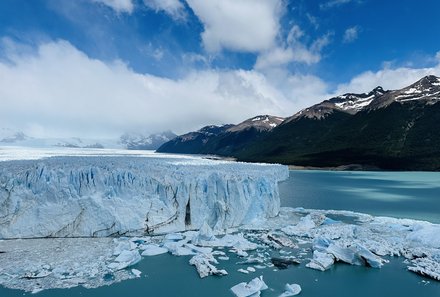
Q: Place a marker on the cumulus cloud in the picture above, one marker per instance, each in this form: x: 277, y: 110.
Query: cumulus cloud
x: 60, y: 91
x: 388, y: 78
x: 173, y: 8
x: 294, y: 51
x: 245, y: 25
x: 118, y: 5
x: 351, y: 34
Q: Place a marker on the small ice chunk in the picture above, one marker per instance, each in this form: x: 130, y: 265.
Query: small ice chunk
x: 253, y: 288
x: 371, y: 259
x: 321, y: 261
x: 204, y: 266
x: 250, y: 269
x: 223, y: 258
x: 198, y: 249
x: 129, y: 257
x: 204, y: 235
x: 177, y: 248
x: 243, y: 271
x: 344, y: 254
x: 174, y: 236
x: 136, y: 272
x: 239, y: 252
x: 153, y: 250
x: 122, y: 246
x: 291, y: 290
x: 125, y: 259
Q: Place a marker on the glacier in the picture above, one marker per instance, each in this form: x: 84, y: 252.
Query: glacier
x: 87, y: 220
x: 99, y: 196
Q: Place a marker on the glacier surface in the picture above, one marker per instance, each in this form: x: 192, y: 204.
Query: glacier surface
x: 98, y: 196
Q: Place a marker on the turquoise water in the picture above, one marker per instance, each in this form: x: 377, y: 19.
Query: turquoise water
x: 167, y: 275
x: 414, y: 195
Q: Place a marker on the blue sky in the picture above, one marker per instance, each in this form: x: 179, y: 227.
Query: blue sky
x: 102, y: 67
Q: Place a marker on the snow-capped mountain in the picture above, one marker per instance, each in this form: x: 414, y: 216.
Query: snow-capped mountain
x: 350, y: 103
x: 426, y: 90
x: 395, y: 129
x: 260, y: 123
x: 230, y: 137
x: 138, y: 141
x: 10, y: 136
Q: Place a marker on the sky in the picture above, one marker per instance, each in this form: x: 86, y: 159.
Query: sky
x: 99, y: 68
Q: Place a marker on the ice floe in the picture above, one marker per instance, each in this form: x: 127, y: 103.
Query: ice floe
x: 252, y: 288
x: 291, y: 290
x: 153, y: 250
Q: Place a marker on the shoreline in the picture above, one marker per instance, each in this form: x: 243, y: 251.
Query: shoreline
x: 349, y: 167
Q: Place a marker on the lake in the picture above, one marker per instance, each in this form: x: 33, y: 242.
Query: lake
x: 399, y: 194
x: 414, y: 195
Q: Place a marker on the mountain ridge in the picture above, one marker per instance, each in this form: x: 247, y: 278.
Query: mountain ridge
x: 393, y: 129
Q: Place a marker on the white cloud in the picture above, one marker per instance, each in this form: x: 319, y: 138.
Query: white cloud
x: 63, y: 92
x: 118, y: 5
x: 387, y: 78
x: 294, y: 51
x: 333, y: 3
x: 351, y: 34
x: 239, y: 25
x: 60, y: 91
x: 313, y: 20
x: 173, y: 8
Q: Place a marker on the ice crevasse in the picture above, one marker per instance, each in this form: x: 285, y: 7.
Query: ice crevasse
x: 105, y: 196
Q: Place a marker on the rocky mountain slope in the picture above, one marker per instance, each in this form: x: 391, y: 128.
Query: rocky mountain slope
x: 396, y: 130
x: 222, y: 140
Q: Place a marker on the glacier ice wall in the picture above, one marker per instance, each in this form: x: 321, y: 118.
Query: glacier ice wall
x: 105, y: 196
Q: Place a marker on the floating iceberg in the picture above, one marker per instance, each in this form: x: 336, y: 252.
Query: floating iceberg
x: 110, y: 196
x: 291, y: 290
x: 204, y: 265
x: 253, y: 288
x: 153, y: 250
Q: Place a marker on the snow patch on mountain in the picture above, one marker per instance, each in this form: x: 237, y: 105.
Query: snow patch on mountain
x: 139, y: 141
x: 261, y: 123
x: 9, y: 136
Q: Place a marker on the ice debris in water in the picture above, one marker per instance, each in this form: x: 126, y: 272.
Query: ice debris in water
x: 136, y: 272
x: 203, y: 264
x: 153, y: 250
x: 291, y: 290
x: 34, y: 265
x: 252, y: 288
x: 125, y: 259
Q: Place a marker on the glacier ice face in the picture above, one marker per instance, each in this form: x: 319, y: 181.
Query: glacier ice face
x: 103, y: 196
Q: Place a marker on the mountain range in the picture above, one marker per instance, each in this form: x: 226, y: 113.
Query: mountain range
x: 131, y: 141
x: 382, y: 129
